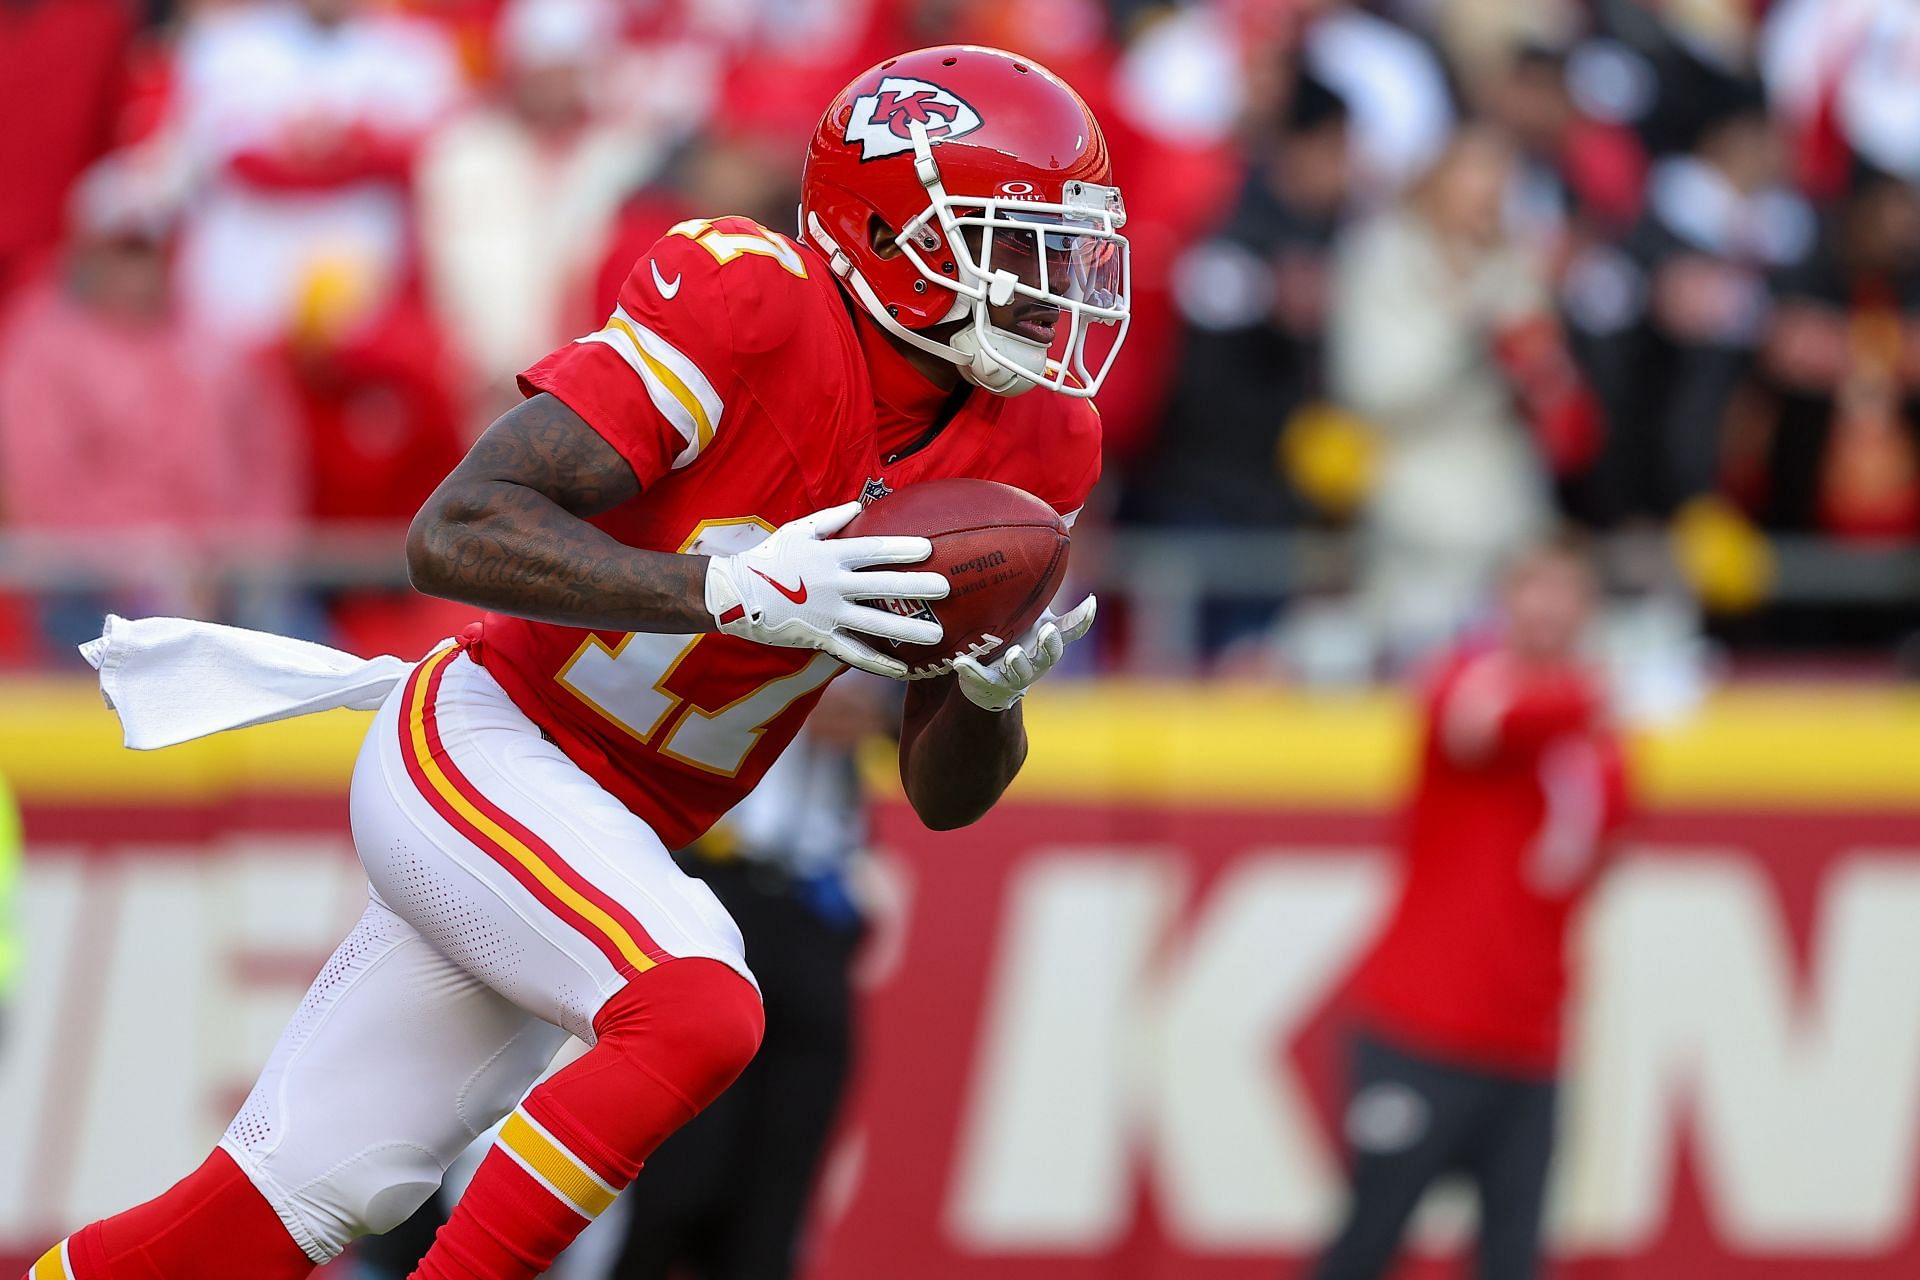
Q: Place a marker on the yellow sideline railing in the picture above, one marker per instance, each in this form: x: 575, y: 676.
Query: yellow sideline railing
x: 1789, y: 746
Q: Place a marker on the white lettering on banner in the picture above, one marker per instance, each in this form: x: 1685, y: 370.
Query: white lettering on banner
x: 1120, y: 1044
x: 286, y: 913
x: 37, y: 1049
x: 145, y: 1038
x: 141, y: 1021
x: 1114, y: 1052
x: 1800, y: 1090
x: 1094, y: 1051
x: 1045, y: 1161
x: 1241, y: 1163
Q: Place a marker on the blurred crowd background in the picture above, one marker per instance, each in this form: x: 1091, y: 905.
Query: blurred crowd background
x: 1416, y: 281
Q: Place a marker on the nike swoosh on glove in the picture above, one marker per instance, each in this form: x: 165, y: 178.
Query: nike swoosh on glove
x: 802, y: 588
x: 999, y: 684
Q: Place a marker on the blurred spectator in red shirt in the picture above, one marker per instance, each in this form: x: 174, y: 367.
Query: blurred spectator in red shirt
x: 516, y: 197
x: 373, y: 386
x: 115, y: 416
x: 300, y: 119
x: 377, y: 406
x: 788, y: 61
x: 1460, y: 1003
x: 62, y: 79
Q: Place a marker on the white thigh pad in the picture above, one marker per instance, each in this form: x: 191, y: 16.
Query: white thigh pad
x: 395, y: 1061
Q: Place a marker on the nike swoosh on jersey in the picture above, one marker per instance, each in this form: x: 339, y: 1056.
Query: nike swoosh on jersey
x: 796, y: 594
x: 666, y: 290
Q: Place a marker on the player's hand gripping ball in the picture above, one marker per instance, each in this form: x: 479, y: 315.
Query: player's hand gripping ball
x: 1003, y: 553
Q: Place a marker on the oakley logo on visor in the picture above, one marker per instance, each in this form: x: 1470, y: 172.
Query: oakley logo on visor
x: 882, y: 121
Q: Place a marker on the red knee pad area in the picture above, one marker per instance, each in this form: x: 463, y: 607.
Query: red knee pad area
x: 694, y: 1023
x: 667, y: 1045
x: 681, y: 1032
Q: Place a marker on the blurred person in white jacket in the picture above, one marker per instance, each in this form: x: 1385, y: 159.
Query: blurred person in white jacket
x: 1440, y: 334
x: 300, y: 119
x: 516, y: 195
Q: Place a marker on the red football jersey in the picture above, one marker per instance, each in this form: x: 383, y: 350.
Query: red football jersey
x: 733, y: 378
x: 1500, y: 846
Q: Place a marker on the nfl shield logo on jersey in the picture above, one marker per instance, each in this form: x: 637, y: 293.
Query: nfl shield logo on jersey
x: 881, y: 121
x: 873, y: 491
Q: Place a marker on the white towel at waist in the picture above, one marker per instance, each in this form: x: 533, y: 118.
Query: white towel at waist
x: 174, y: 679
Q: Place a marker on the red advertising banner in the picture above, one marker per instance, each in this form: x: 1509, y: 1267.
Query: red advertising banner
x: 1101, y: 1039
x: 1108, y: 1049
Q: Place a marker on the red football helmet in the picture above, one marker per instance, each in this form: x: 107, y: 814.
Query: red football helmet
x: 993, y: 179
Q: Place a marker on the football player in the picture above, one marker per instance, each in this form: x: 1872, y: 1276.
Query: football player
x: 650, y: 532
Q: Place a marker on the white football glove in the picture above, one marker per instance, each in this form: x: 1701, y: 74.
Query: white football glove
x: 801, y: 589
x: 999, y: 684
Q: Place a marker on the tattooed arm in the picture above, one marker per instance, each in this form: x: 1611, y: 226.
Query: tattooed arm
x: 507, y: 530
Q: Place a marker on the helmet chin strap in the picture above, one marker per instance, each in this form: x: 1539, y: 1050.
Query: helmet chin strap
x: 1027, y: 358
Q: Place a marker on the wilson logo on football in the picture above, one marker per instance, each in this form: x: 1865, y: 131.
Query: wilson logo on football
x: 882, y: 121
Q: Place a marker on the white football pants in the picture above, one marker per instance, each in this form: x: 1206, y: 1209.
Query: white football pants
x: 511, y: 897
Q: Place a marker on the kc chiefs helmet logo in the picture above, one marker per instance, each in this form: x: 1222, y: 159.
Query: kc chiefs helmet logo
x: 881, y: 121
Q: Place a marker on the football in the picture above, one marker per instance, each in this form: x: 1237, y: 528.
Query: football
x: 1003, y: 551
